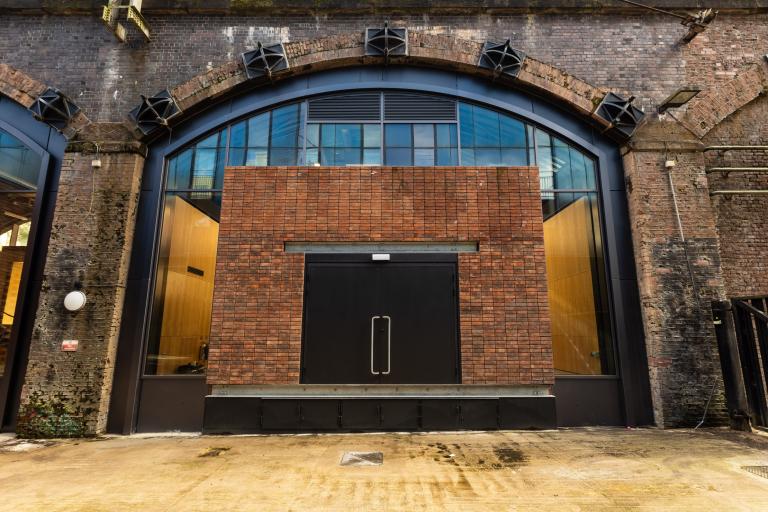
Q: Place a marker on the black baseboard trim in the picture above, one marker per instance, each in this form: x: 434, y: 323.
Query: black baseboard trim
x: 261, y: 415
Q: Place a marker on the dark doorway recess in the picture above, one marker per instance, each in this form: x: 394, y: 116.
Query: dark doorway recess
x: 380, y: 322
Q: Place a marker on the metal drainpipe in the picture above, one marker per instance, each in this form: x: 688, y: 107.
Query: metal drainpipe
x: 670, y: 164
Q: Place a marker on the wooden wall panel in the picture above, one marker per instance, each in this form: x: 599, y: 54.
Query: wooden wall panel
x: 188, y: 295
x: 568, y: 245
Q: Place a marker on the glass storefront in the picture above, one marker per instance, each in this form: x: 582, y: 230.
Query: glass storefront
x: 19, y: 171
x: 301, y: 133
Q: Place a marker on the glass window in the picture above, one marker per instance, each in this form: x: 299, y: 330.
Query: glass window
x: 19, y: 165
x: 467, y: 126
x: 424, y: 135
x: 512, y: 132
x: 398, y: 135
x: 447, y: 156
x: 581, y: 339
x: 486, y: 127
x: 446, y: 135
x: 343, y: 144
x: 372, y: 135
x: 372, y: 156
x: 19, y: 170
x: 181, y: 315
x: 348, y: 135
x: 313, y: 135
x: 398, y: 156
x: 258, y: 131
x: 489, y: 138
x: 424, y: 157
x: 480, y: 136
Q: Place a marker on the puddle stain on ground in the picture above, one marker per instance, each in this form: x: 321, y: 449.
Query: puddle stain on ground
x: 505, y: 456
x: 215, y: 451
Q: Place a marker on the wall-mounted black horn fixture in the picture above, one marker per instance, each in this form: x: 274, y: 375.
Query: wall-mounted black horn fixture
x: 264, y: 61
x: 54, y: 108
x: 623, y: 116
x: 155, y: 111
x: 501, y: 58
x: 386, y: 41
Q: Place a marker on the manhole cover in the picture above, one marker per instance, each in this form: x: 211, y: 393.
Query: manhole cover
x: 362, y: 459
x: 757, y: 470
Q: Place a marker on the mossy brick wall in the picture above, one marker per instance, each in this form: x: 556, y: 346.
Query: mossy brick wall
x: 89, y: 249
x: 678, y: 275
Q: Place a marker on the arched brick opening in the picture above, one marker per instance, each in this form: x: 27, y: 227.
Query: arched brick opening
x: 424, y: 50
x: 716, y: 104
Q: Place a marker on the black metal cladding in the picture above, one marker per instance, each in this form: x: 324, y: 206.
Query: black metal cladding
x: 623, y: 116
x: 386, y: 41
x: 407, y: 107
x: 364, y: 106
x: 155, y: 111
x: 501, y: 58
x: 54, y: 108
x: 264, y: 61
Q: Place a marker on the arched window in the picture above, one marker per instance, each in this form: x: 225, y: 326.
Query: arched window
x: 19, y: 172
x: 391, y: 128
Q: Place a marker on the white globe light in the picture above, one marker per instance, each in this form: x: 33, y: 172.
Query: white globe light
x: 74, y: 301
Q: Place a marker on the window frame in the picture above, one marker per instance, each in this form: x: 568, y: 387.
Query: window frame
x: 31, y: 256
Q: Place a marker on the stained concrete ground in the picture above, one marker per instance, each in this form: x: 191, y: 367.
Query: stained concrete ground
x: 581, y: 469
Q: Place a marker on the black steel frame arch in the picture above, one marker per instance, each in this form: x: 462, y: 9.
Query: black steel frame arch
x: 622, y: 283
x: 49, y: 144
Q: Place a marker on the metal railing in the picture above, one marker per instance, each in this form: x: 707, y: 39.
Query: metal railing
x: 751, y: 323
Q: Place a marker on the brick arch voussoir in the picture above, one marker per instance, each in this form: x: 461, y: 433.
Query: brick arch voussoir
x: 24, y: 90
x: 18, y: 86
x: 425, y: 50
x: 716, y: 104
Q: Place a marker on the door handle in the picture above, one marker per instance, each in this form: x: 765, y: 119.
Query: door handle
x: 373, y: 321
x: 389, y: 345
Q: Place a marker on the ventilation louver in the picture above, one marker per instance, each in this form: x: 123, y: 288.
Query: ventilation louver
x: 346, y: 107
x: 155, y: 112
x: 418, y: 107
x: 386, y: 41
x: 264, y: 61
x: 501, y: 58
x: 54, y: 108
x: 623, y: 116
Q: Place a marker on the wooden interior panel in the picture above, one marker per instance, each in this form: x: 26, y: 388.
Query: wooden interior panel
x: 189, y: 285
x: 568, y: 245
x: 12, y: 292
x: 11, y: 264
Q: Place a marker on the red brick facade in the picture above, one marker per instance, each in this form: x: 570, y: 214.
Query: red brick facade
x: 257, y: 312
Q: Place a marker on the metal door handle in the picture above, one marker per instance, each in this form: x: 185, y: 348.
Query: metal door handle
x: 389, y: 345
x: 373, y: 320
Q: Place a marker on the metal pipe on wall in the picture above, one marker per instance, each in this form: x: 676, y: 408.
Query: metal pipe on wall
x: 738, y: 192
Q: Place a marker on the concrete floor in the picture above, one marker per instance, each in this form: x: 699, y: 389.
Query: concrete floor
x: 581, y: 469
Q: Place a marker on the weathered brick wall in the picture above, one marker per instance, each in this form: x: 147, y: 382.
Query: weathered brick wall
x: 677, y: 279
x: 257, y: 311
x: 67, y: 393
x: 742, y: 220
x: 630, y: 53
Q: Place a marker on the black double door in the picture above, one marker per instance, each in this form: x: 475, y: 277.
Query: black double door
x: 380, y: 322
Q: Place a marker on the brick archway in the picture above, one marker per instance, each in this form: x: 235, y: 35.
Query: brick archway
x: 718, y: 103
x: 424, y: 50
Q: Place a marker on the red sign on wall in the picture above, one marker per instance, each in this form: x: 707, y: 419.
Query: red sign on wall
x: 69, y: 345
